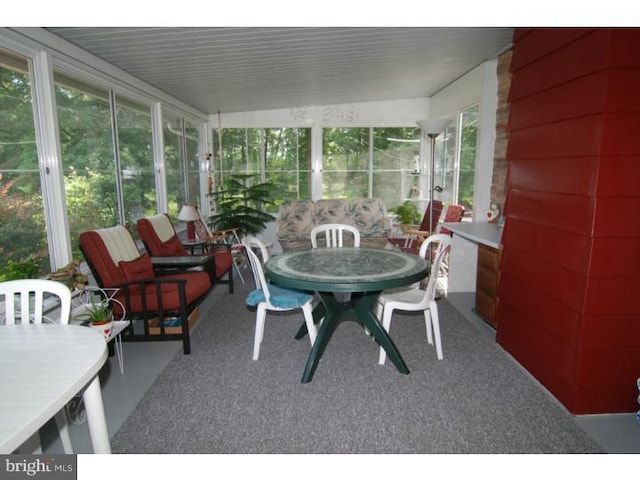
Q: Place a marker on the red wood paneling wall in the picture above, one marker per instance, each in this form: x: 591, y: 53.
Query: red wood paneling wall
x: 569, y: 308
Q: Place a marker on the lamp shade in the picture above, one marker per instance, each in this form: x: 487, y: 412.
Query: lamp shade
x: 433, y: 126
x: 189, y: 213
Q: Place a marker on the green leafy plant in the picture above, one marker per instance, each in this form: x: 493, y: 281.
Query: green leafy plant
x: 100, y: 313
x: 16, y: 270
x: 240, y: 205
x: 407, y: 213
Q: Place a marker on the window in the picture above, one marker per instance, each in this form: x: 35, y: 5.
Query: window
x: 174, y: 164
x: 86, y: 143
x: 386, y: 163
x: 136, y: 161
x: 280, y: 156
x: 191, y: 135
x: 22, y: 222
x: 345, y: 162
x: 288, y: 162
x: 469, y: 120
x: 396, y: 165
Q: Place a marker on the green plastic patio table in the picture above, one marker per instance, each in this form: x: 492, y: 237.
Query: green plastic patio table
x: 363, y: 272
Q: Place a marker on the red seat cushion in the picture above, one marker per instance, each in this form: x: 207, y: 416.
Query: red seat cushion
x: 198, y: 284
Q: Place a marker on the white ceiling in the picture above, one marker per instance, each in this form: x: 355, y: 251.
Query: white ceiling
x: 242, y: 69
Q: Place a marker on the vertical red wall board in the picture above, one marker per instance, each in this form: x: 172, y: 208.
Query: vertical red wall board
x: 618, y: 176
x: 613, y: 296
x: 603, y: 382
x: 565, y: 101
x: 542, y: 311
x: 544, y: 357
x: 623, y: 94
x: 534, y: 43
x: 567, y: 62
x: 568, y: 138
x: 621, y: 133
x: 573, y: 213
x: 599, y: 130
x: 540, y: 242
x: 602, y: 330
x: 617, y: 216
x: 616, y: 257
x: 568, y: 175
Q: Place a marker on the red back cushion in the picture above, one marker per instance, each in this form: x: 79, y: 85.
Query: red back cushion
x: 173, y: 248
x: 137, y: 269
x: 97, y: 255
x: 154, y: 246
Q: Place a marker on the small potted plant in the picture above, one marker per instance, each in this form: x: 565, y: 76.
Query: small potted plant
x: 101, y: 317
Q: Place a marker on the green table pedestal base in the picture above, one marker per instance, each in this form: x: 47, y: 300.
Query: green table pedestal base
x: 358, y: 309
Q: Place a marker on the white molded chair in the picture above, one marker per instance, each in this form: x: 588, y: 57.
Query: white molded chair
x: 417, y: 299
x: 334, y: 234
x: 24, y: 303
x: 267, y: 296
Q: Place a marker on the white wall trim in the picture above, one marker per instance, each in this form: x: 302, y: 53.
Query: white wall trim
x: 388, y: 113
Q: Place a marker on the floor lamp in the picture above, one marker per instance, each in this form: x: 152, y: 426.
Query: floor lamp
x: 432, y: 128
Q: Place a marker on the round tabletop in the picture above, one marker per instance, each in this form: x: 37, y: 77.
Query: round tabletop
x: 346, y: 269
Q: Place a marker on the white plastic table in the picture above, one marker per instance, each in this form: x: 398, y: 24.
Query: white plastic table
x: 42, y: 367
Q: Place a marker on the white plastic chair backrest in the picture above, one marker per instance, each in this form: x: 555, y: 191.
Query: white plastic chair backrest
x: 256, y: 268
x: 254, y: 243
x: 334, y: 233
x: 28, y: 295
x: 443, y: 241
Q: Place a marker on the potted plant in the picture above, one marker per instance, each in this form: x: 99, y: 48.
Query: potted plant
x: 407, y: 213
x: 240, y: 203
x: 100, y: 317
x: 71, y: 275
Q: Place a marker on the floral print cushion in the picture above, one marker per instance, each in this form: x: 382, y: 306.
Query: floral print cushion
x: 369, y: 215
x: 331, y: 211
x: 297, y: 217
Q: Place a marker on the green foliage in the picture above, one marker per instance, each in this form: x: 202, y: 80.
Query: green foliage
x: 95, y: 312
x: 100, y: 313
x: 17, y: 270
x: 407, y: 213
x: 241, y: 205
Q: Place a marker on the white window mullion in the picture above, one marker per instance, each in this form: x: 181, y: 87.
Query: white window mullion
x: 316, y: 162
x: 370, y: 173
x: 158, y: 158
x: 50, y: 161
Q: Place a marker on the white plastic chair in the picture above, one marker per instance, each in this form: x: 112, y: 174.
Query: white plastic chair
x: 334, y: 234
x: 417, y: 299
x: 24, y: 303
x: 270, y: 297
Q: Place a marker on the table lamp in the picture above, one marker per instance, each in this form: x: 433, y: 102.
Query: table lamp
x: 189, y: 214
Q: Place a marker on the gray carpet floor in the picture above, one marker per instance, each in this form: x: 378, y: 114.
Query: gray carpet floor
x: 218, y: 400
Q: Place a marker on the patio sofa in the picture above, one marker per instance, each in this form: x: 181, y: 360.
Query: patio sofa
x: 297, y: 218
